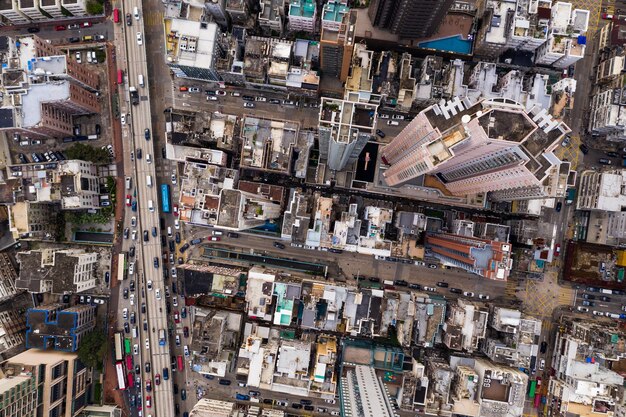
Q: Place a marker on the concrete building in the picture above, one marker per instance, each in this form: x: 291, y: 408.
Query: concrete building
x: 217, y: 9
x: 240, y: 210
x: 32, y: 10
x: 12, y: 327
x: 268, y: 144
x: 465, y: 146
x: 361, y: 389
x: 409, y: 18
x: 52, y: 89
x: 53, y: 327
x: 193, y: 48
x: 345, y: 126
x: 602, y: 191
x: 272, y: 16
x: 79, y: 186
x: 8, y: 276
x: 302, y: 16
x: 213, y: 408
x: 585, y: 356
x: 18, y: 392
x: 487, y: 258
x: 68, y: 271
x: 503, y: 390
x: 466, y: 326
x: 52, y: 7
x: 10, y: 10
x: 239, y: 12
x: 76, y: 7
x: 337, y: 43
x: 61, y: 380
x: 32, y: 220
x: 333, y: 12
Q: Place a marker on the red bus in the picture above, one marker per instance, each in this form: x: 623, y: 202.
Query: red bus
x: 129, y: 362
x: 116, y: 15
x: 131, y: 381
x: 120, y: 76
x: 181, y: 364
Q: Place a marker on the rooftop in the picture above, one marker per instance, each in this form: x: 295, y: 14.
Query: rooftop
x: 267, y: 143
x: 334, y: 11
x: 302, y: 8
x: 192, y: 44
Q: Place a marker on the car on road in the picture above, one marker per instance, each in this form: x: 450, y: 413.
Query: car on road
x: 125, y: 293
x: 566, y: 141
x: 584, y: 148
x: 175, y: 211
x: 296, y: 406
x: 602, y: 161
x: 148, y: 401
x: 157, y: 379
x: 380, y: 133
x: 588, y: 303
x: 432, y: 266
x: 456, y: 290
x: 176, y: 317
x: 146, y: 134
x: 145, y: 236
x: 194, y: 89
x: 73, y: 26
x: 211, y: 98
x: 557, y: 250
x: 183, y: 394
x: 468, y: 294
x: 431, y: 289
x: 126, y: 232
x: 443, y: 284
x: 279, y: 245
x: 139, y: 39
x: 605, y: 298
x: 483, y: 296
x: 186, y: 331
x: 597, y: 313
x: 147, y: 367
x: 248, y: 105
x: 593, y: 289
x: 544, y: 346
x: 558, y: 207
x: 176, y: 223
x: 612, y: 154
x: 158, y: 294
x: 588, y: 297
x: 60, y: 27
x: 155, y: 261
x: 274, y: 101
x: 224, y: 381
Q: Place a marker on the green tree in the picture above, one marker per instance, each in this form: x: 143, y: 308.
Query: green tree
x: 95, y: 7
x: 88, y: 153
x: 93, y: 347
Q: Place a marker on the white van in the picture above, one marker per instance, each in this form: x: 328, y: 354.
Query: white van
x: 169, y: 231
x: 135, y: 332
x: 136, y: 13
x: 150, y: 206
x: 128, y: 182
x: 605, y: 291
x: 149, y: 180
x: 141, y: 84
x: 148, y: 159
x: 392, y: 123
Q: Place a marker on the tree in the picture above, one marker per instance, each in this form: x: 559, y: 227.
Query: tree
x: 93, y: 347
x: 88, y: 153
x: 95, y: 7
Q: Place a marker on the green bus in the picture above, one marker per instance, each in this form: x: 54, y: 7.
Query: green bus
x: 127, y: 346
x: 531, y: 392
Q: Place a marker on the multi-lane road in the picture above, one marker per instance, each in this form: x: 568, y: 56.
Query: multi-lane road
x: 148, y: 265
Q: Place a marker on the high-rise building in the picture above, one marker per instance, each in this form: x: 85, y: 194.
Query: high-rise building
x: 488, y: 258
x: 217, y: 9
x: 361, y: 390
x: 492, y: 146
x: 302, y: 15
x: 61, y: 379
x: 337, y: 43
x: 52, y: 327
x: 409, y: 18
x: 18, y: 392
x: 345, y: 126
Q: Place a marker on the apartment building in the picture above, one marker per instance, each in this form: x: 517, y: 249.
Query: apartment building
x: 302, y: 16
x: 8, y: 276
x: 76, y: 7
x: 52, y: 7
x: 409, y: 18
x: 61, y: 380
x: 345, y: 126
x: 66, y: 271
x: 460, y: 143
x: 217, y: 9
x: 10, y: 10
x: 57, y: 328
x: 566, y: 40
x: 272, y: 17
x: 18, y: 392
x: 332, y: 14
x: 31, y: 9
x: 44, y: 89
x: 12, y: 327
x: 337, y: 43
x: 239, y: 12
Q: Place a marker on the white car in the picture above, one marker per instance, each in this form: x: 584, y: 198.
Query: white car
x: 132, y: 299
x: 175, y: 301
x: 186, y: 350
x: 147, y: 343
x: 133, y: 221
x: 125, y: 314
x: 174, y: 179
x: 483, y: 296
x: 176, y: 224
x: 133, y: 235
x: 174, y: 272
x: 211, y: 98
x: 468, y: 294
x: 582, y: 309
x: 158, y: 294
x: 149, y: 285
x: 330, y: 401
x: 139, y: 39
x: 135, y: 349
x: 194, y: 89
x: 123, y: 119
x: 78, y: 57
x: 131, y: 268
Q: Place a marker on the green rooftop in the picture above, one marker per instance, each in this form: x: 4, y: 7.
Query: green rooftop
x: 334, y: 11
x: 304, y: 8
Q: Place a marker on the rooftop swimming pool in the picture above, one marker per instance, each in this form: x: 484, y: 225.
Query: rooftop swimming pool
x: 454, y: 44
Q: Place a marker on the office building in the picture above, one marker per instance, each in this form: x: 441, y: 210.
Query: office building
x: 345, y: 126
x: 492, y: 146
x: 68, y: 271
x: 52, y: 327
x: 409, y: 18
x: 62, y: 381
x: 487, y: 258
x: 363, y: 394
x: 337, y: 44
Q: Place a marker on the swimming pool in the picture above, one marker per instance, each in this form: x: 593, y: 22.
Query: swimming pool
x: 454, y: 44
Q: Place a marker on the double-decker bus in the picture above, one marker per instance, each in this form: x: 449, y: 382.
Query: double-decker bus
x: 127, y: 346
x: 180, y: 363
x: 121, y: 267
x: 119, y: 353
x: 120, y: 76
x: 531, y: 391
x: 131, y: 381
x: 121, y: 382
x: 165, y: 198
x: 537, y: 400
x: 129, y: 362
x: 116, y: 15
